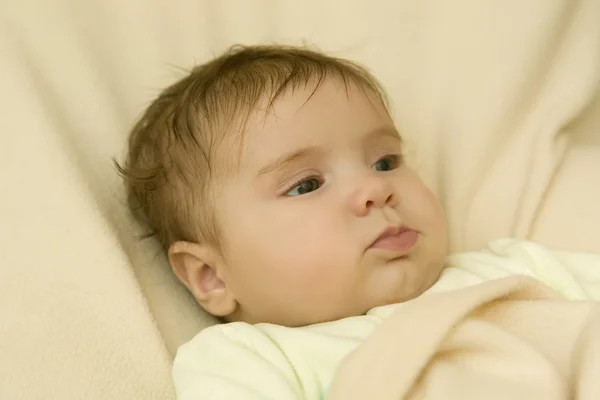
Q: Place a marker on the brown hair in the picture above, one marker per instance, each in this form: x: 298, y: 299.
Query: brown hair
x: 171, y: 164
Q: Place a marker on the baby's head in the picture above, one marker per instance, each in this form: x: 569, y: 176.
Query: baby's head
x: 268, y: 174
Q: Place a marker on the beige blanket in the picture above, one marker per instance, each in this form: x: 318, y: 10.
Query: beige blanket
x: 506, y: 339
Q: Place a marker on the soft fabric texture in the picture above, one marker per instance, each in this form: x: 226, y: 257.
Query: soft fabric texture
x: 504, y: 339
x: 489, y: 95
x: 265, y: 361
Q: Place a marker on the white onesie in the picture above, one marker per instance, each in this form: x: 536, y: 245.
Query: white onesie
x: 264, y: 361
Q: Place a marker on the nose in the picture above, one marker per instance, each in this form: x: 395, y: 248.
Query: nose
x: 372, y: 191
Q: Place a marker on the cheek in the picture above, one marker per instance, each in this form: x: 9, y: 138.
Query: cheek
x: 424, y: 204
x: 298, y: 244
x: 434, y: 222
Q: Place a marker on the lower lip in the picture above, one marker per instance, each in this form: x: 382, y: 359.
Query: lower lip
x: 403, y: 241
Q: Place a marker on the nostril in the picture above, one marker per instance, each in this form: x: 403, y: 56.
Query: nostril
x: 369, y: 204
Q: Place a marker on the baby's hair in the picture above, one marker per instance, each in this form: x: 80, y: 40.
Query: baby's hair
x: 171, y: 166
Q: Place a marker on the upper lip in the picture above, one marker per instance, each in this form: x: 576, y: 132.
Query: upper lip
x: 391, y: 231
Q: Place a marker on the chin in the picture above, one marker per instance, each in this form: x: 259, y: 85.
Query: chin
x: 389, y: 300
x: 401, y: 296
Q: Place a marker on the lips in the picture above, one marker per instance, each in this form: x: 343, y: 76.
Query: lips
x: 399, y: 239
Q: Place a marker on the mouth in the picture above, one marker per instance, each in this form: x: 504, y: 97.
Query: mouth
x: 399, y: 239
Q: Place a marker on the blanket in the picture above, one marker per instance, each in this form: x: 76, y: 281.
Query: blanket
x: 505, y: 339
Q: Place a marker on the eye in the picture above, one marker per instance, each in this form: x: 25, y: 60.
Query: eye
x: 304, y: 187
x: 387, y: 163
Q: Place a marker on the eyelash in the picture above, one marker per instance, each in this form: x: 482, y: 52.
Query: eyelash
x: 300, y: 181
x: 397, y: 159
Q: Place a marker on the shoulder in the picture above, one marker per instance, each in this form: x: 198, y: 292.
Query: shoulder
x: 235, y: 360
x: 224, y: 340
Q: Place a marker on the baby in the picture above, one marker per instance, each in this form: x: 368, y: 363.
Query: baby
x: 274, y: 178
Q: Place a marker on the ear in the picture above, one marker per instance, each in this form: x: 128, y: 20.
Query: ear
x: 198, y: 267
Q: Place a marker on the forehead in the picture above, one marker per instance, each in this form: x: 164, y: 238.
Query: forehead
x: 332, y: 115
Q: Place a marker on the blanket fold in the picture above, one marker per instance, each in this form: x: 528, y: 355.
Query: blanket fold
x: 490, y: 341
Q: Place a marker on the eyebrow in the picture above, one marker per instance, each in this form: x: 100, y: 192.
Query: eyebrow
x: 383, y: 131
x: 288, y: 158
x: 307, y: 152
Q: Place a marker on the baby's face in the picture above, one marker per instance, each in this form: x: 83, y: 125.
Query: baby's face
x: 319, y: 181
